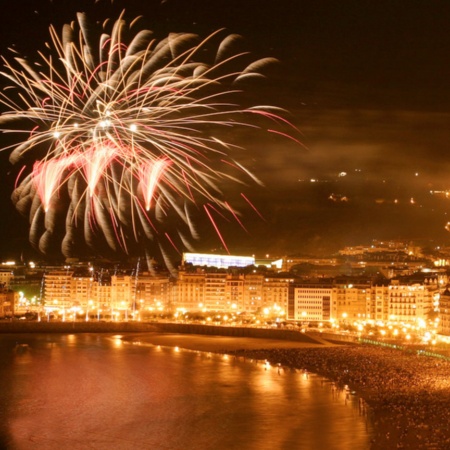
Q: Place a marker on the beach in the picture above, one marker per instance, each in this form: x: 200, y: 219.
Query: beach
x: 407, y: 395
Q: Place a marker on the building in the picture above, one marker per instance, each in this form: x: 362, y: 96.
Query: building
x: 7, y: 300
x: 407, y: 303
x: 121, y: 295
x: 6, y: 276
x: 83, y: 290
x: 152, y: 292
x: 343, y: 298
x: 191, y: 290
x: 253, y: 293
x: 276, y: 292
x: 378, y: 308
x: 351, y: 299
x: 218, y: 261
x: 58, y: 291
x: 310, y: 301
x: 215, y: 292
x: 444, y: 313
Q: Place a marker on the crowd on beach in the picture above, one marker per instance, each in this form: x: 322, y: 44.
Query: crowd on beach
x: 408, y: 394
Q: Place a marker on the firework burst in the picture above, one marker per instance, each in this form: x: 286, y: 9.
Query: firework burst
x: 121, y: 136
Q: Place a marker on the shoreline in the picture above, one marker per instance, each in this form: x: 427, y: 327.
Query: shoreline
x: 407, y: 394
x: 278, y: 334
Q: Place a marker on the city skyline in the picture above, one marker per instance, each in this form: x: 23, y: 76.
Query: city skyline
x: 366, y: 85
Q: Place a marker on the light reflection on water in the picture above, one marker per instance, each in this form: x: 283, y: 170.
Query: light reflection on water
x: 99, y: 392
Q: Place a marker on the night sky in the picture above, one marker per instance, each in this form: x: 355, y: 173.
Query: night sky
x: 366, y: 82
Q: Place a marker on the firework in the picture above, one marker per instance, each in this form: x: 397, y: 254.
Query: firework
x: 119, y: 141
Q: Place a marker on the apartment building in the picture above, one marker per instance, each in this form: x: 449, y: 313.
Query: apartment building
x: 276, y: 292
x: 340, y: 298
x: 310, y: 301
x: 58, y: 288
x: 8, y: 299
x: 444, y: 313
x: 152, y: 291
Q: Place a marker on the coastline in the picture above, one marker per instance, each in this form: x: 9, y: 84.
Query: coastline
x: 407, y: 394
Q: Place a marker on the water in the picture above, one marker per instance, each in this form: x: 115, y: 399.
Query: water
x: 92, y: 391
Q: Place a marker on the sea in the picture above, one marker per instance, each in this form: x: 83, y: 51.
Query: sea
x: 104, y: 391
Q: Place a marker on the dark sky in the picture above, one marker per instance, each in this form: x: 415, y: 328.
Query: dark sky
x: 366, y: 82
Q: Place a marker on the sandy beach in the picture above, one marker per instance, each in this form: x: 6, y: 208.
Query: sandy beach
x: 218, y: 344
x: 408, y: 395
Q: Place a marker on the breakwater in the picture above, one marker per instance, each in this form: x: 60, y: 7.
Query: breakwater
x: 162, y: 327
x: 74, y: 327
x: 261, y: 333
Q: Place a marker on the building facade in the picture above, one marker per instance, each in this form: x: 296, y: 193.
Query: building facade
x: 199, y: 289
x: 8, y: 299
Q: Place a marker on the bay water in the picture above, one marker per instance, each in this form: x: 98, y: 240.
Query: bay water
x: 99, y: 391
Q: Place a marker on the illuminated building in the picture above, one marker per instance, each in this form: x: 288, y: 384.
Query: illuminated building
x: 219, y: 261
x: 5, y: 278
x: 83, y: 289
x: 359, y: 299
x: 121, y: 290
x: 288, y: 262
x: 444, y: 313
x: 351, y: 299
x: 310, y: 301
x: 234, y: 291
x: 219, y: 291
x: 151, y: 291
x: 191, y: 290
x: 253, y: 293
x: 7, y: 301
x: 103, y: 298
x: 407, y: 303
x: 276, y: 292
x: 214, y: 293
x: 58, y: 289
x: 201, y: 289
x: 379, y: 303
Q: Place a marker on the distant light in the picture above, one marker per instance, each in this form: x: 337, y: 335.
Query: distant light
x: 343, y: 174
x: 56, y: 134
x: 133, y: 127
